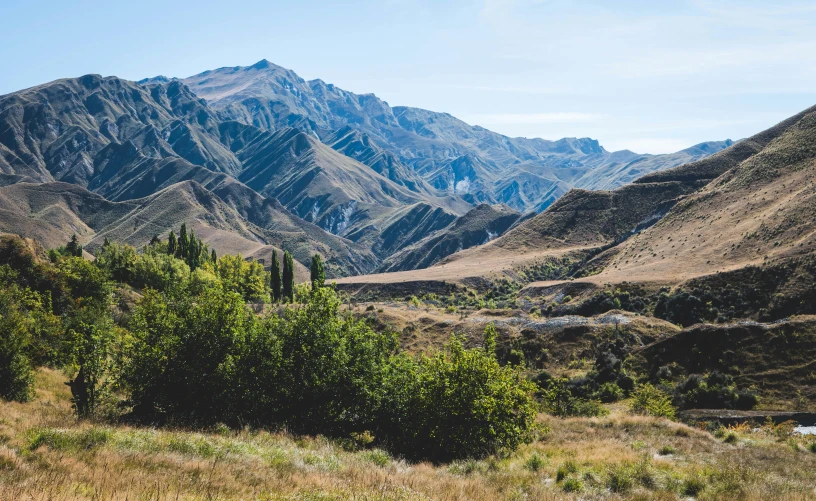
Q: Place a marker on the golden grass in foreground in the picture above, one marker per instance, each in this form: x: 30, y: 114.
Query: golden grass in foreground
x: 47, y: 455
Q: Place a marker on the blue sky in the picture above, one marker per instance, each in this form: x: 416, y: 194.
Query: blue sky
x: 649, y: 76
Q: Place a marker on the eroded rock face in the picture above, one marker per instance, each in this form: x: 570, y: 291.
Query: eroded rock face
x: 479, y: 226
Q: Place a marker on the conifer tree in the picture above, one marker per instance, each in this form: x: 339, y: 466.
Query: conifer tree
x: 288, y: 288
x: 74, y: 248
x: 153, y: 241
x: 194, y: 248
x: 275, y: 279
x: 172, y: 244
x: 318, y: 274
x: 183, y: 243
x: 106, y: 242
x: 213, y: 257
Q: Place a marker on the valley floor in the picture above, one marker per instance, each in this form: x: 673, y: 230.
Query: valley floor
x: 47, y: 455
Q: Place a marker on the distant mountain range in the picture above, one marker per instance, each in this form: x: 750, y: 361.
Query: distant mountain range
x: 257, y: 154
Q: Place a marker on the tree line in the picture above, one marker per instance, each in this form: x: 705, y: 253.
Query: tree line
x: 188, y: 351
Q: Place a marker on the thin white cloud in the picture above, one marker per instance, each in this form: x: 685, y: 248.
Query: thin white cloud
x: 531, y: 118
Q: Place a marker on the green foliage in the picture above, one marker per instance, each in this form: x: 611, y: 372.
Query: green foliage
x: 330, y: 369
x: 183, y: 242
x: 318, y: 274
x: 179, y: 363
x: 489, y: 339
x: 247, y: 278
x: 455, y: 404
x: 714, y: 391
x: 90, y: 334
x: 652, y: 401
x: 535, y: 462
x: 73, y: 248
x: 15, y: 335
x: 566, y: 469
x: 288, y: 286
x: 88, y: 284
x: 172, y: 244
x: 159, y: 271
x: 275, y: 279
x: 609, y: 392
x: 118, y: 261
x: 559, y: 401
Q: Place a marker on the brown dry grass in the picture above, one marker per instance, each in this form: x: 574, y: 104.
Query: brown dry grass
x: 47, y: 455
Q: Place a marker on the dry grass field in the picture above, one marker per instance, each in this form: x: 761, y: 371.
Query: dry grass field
x: 46, y: 454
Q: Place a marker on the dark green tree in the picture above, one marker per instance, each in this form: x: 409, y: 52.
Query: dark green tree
x: 275, y: 279
x: 193, y: 252
x: 153, y: 241
x: 74, y: 248
x: 183, y: 243
x: 213, y: 257
x: 288, y: 287
x: 318, y: 274
x: 172, y: 244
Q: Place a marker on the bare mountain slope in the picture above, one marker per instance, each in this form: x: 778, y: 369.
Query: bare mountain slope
x: 52, y: 212
x: 54, y: 131
x: 479, y: 226
x: 452, y: 156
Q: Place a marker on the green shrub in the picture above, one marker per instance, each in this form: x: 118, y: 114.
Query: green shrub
x: 609, y: 392
x: 535, y: 462
x: 456, y: 403
x: 379, y: 458
x: 620, y: 478
x: 653, y: 402
x: 559, y: 401
x: 17, y: 329
x: 565, y: 469
x: 572, y: 485
x: 812, y: 447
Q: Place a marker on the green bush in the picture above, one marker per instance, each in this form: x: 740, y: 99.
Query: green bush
x: 565, y: 469
x: 180, y: 361
x: 653, y: 402
x: 559, y: 400
x: 28, y: 333
x: 159, y: 271
x: 118, y: 261
x: 455, y: 404
x: 572, y: 485
x: 16, y: 374
x: 535, y: 462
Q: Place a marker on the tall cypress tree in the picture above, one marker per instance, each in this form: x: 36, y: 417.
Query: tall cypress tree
x: 318, y: 274
x: 213, y: 257
x: 183, y: 243
x: 275, y: 279
x: 288, y: 277
x: 193, y: 251
x: 171, y: 244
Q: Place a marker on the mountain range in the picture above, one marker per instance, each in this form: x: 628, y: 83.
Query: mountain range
x: 255, y: 158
